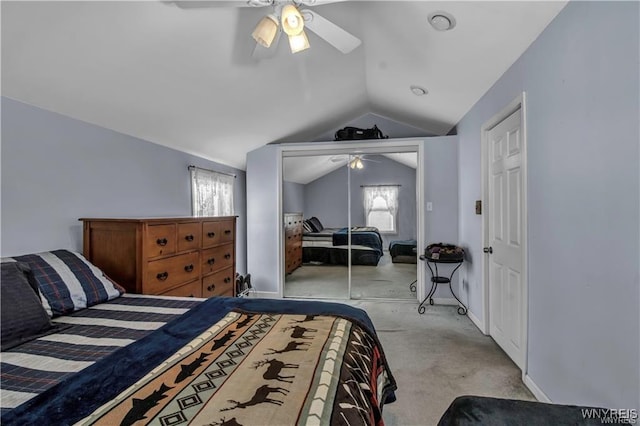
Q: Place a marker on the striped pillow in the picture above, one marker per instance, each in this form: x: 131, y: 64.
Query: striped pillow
x: 307, y: 226
x: 68, y: 282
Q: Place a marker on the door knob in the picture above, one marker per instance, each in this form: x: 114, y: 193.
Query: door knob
x: 488, y: 250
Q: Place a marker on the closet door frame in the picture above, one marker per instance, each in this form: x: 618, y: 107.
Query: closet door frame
x: 366, y: 147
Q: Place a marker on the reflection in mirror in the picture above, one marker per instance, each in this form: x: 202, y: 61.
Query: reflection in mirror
x: 379, y: 192
x: 384, y: 221
x: 314, y: 206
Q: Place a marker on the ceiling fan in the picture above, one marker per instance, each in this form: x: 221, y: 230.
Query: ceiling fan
x: 288, y: 17
x: 353, y: 161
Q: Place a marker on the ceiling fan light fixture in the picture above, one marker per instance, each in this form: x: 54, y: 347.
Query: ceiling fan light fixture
x: 298, y: 42
x: 292, y: 21
x: 266, y: 30
x: 356, y: 163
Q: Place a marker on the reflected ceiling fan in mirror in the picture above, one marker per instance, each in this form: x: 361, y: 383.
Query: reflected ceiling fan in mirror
x: 287, y: 17
x: 355, y: 162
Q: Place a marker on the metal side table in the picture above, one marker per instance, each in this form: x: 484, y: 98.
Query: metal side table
x: 437, y: 279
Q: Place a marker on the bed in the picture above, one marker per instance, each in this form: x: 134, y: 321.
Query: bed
x: 322, y: 245
x: 113, y: 358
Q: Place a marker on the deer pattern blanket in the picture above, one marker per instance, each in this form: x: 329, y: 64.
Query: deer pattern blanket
x: 261, y: 368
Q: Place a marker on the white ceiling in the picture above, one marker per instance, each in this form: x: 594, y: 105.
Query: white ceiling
x: 184, y: 77
x: 306, y: 169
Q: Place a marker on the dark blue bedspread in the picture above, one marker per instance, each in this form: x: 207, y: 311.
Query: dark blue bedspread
x: 368, y: 238
x: 81, y: 394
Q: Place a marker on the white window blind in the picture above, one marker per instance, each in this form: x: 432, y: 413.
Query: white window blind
x: 381, y: 207
x: 211, y: 193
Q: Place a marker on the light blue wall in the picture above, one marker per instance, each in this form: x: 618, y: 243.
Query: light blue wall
x: 440, y: 165
x: 263, y: 217
x: 56, y: 169
x: 292, y: 197
x: 581, y: 81
x: 326, y: 197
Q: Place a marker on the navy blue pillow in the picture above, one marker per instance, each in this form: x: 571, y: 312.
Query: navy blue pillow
x: 23, y: 316
x: 68, y: 282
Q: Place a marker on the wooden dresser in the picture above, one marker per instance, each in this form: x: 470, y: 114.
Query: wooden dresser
x: 186, y: 256
x: 292, y: 241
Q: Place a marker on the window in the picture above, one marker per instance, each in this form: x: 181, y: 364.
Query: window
x: 211, y: 193
x: 381, y: 207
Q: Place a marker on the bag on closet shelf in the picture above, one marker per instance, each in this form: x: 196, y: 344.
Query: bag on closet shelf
x: 355, y: 133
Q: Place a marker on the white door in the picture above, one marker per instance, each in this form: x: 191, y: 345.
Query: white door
x: 505, y: 210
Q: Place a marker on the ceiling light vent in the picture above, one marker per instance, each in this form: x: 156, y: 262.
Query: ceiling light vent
x: 442, y: 21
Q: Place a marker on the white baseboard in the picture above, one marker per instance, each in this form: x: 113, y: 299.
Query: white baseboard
x: 474, y: 319
x: 535, y: 390
x: 264, y: 294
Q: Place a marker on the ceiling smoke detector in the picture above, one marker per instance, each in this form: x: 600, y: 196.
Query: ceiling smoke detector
x: 442, y: 21
x: 418, y: 91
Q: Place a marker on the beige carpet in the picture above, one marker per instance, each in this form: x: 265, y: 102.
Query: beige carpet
x: 436, y: 357
x: 387, y: 280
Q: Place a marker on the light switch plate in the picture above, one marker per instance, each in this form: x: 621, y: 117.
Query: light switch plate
x: 429, y: 206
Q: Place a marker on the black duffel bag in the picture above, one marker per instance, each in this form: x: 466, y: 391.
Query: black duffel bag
x: 354, y: 134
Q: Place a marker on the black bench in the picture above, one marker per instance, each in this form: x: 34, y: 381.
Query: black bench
x: 403, y: 251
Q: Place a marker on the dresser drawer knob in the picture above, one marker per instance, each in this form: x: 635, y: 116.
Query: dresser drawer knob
x: 188, y: 268
x: 189, y: 237
x: 161, y: 241
x: 227, y: 231
x: 211, y: 234
x: 162, y: 276
x: 227, y: 256
x: 212, y: 287
x: 211, y: 261
x: 227, y: 280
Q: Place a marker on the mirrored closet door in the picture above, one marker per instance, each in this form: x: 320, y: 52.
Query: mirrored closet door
x: 315, y: 205
x: 383, y: 226
x: 349, y: 226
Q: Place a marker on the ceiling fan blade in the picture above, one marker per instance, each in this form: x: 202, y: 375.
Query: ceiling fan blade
x: 319, y: 2
x: 199, y: 4
x: 327, y: 30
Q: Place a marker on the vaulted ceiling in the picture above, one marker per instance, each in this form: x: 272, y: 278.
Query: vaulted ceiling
x: 185, y: 78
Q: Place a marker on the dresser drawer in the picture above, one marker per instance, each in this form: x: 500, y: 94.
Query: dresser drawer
x: 214, y: 233
x: 166, y: 273
x: 161, y: 240
x: 189, y: 236
x: 192, y: 289
x: 217, y: 258
x: 218, y: 284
